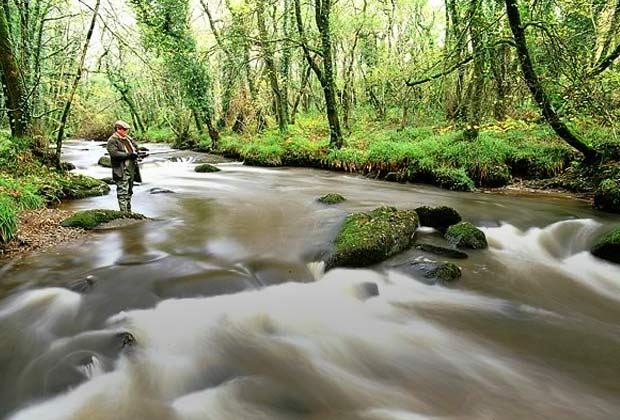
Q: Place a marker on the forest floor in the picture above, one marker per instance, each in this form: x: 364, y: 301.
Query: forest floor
x: 38, y: 230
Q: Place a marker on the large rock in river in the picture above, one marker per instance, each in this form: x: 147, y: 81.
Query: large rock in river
x: 608, y: 246
x: 369, y: 238
x: 439, y: 218
x: 89, y: 219
x: 466, y: 235
x: 82, y: 186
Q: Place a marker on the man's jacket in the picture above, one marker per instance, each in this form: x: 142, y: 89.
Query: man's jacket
x: 119, y: 155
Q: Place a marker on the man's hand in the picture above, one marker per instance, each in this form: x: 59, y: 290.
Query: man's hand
x: 133, y: 156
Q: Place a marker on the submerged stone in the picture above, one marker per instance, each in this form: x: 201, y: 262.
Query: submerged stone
x: 608, y: 246
x: 331, y: 198
x: 89, y: 219
x: 82, y: 186
x: 466, y: 235
x: 105, y: 161
x: 439, y: 218
x: 206, y: 167
x: 440, y: 250
x: 368, y: 238
x: 432, y: 270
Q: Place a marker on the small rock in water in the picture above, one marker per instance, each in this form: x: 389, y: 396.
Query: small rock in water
x: 160, y: 191
x: 366, y: 290
x: 126, y: 339
x: 442, y: 271
x: 84, y: 285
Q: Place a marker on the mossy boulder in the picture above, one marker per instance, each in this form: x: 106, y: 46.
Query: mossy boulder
x: 368, y: 238
x: 206, y: 167
x: 89, y: 219
x: 105, y: 161
x: 331, y: 198
x: 466, y: 235
x: 439, y: 218
x: 432, y: 270
x: 607, y: 195
x: 82, y: 186
x: 608, y: 246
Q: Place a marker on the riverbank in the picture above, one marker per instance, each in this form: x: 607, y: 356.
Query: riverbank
x: 38, y: 230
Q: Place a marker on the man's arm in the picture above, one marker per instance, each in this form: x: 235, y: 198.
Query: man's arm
x: 116, y: 150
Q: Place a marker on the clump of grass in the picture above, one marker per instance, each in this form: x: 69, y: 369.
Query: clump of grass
x: 8, y: 218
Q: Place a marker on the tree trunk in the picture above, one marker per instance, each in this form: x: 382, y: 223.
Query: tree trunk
x: 15, y: 92
x: 76, y: 82
x: 531, y: 79
x: 272, y: 72
x: 325, y: 74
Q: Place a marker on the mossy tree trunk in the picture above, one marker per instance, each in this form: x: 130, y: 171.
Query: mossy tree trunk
x: 535, y: 87
x: 324, y: 73
x: 16, y: 98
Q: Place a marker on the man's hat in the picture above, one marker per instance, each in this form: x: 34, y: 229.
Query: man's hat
x: 121, y: 124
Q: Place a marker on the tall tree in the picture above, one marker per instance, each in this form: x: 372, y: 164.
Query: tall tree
x: 16, y: 96
x: 535, y: 87
x: 325, y: 71
x: 281, y: 101
x: 165, y: 25
x: 76, y: 82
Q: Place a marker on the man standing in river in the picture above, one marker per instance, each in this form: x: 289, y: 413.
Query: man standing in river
x: 123, y: 152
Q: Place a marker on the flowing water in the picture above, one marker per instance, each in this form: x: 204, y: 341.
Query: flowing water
x: 218, y: 308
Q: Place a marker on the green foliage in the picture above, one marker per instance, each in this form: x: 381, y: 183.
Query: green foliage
x: 607, y: 195
x: 156, y: 135
x: 8, y: 217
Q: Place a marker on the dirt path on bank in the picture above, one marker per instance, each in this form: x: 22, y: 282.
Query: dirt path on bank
x: 38, y: 230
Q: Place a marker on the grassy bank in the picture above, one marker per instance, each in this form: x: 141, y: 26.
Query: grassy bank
x: 28, y: 181
x: 439, y: 156
x: 503, y: 153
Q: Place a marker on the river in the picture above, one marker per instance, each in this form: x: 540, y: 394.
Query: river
x: 218, y: 307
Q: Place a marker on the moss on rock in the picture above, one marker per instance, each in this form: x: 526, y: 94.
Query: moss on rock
x: 466, y: 235
x: 439, y: 218
x: 82, y: 186
x: 607, y: 195
x: 206, y: 167
x: 608, y: 246
x: 331, y: 198
x: 369, y: 238
x: 447, y: 272
x: 90, y: 219
x: 105, y: 161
